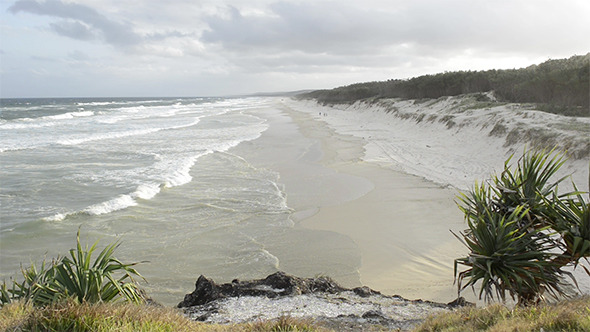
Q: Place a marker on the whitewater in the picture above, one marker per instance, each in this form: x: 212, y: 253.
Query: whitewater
x: 118, y: 169
x: 107, y: 155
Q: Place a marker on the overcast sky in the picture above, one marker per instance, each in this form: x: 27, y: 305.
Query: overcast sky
x: 75, y: 48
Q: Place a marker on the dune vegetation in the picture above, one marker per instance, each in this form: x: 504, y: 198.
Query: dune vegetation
x: 124, y: 317
x: 557, y: 86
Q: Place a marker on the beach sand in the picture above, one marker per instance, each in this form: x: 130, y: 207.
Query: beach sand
x: 392, y: 228
x: 416, y: 168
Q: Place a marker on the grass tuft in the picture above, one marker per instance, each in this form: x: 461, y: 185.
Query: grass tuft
x: 284, y: 324
x: 572, y: 315
x: 125, y: 317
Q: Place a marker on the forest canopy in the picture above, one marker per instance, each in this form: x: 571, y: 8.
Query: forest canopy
x: 560, y: 86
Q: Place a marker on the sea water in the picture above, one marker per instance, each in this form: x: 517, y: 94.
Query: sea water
x: 156, y: 174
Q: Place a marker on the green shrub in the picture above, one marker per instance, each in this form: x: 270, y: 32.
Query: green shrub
x: 77, y: 276
x: 522, y: 232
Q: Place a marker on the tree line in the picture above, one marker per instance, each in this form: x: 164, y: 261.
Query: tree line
x: 560, y: 86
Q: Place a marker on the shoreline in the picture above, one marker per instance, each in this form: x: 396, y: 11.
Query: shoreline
x: 441, y: 157
x: 402, y: 250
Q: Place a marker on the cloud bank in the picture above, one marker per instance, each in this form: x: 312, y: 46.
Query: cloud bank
x: 319, y: 42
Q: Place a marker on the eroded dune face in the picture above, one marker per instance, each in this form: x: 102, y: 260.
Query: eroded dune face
x: 457, y: 140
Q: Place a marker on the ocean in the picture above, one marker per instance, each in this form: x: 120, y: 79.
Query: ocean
x: 157, y: 174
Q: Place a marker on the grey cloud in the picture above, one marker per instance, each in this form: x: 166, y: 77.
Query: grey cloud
x: 165, y: 35
x: 311, y: 27
x: 435, y: 27
x: 115, y: 33
x: 73, y: 29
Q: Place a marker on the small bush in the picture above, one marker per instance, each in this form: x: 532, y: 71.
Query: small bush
x: 77, y: 276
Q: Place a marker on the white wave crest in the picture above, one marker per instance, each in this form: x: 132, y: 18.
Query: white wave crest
x: 116, y: 204
x: 69, y: 115
x: 147, y: 191
x: 96, y: 103
x: 76, y: 141
x: 45, y: 121
x: 57, y: 217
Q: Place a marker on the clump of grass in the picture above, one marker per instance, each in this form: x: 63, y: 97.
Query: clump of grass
x: 14, y: 315
x: 420, y: 117
x: 448, y: 120
x: 73, y: 316
x: 432, y: 118
x: 513, y: 137
x: 499, y: 130
x: 284, y: 324
x: 124, y: 317
x: 572, y: 315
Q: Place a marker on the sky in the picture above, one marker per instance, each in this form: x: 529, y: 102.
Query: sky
x: 188, y: 48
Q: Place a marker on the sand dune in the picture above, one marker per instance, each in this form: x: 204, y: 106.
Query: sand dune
x: 456, y: 140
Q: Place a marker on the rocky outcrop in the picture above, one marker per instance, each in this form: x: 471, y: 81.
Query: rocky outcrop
x: 276, y: 284
x: 319, y: 299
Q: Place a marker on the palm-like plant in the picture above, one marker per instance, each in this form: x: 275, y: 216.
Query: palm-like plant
x: 507, y: 258
x: 571, y: 219
x: 77, y: 276
x: 516, y: 223
x: 28, y: 288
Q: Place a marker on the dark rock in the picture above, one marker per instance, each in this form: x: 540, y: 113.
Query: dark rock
x: 365, y: 291
x: 373, y: 314
x: 206, y: 290
x: 460, y: 302
x: 323, y: 284
x: 276, y: 284
x: 201, y: 318
x: 283, y: 283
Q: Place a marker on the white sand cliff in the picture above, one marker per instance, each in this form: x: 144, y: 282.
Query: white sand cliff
x: 457, y: 140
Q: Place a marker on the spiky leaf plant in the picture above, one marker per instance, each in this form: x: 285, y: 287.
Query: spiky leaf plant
x: 28, y: 287
x: 507, y: 258
x: 79, y: 277
x: 517, y: 224
x: 571, y: 219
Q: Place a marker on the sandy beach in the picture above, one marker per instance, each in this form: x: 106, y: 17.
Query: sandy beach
x: 393, y: 191
x: 391, y: 227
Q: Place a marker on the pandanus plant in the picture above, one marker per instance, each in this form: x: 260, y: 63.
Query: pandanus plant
x: 522, y: 232
x: 77, y: 276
